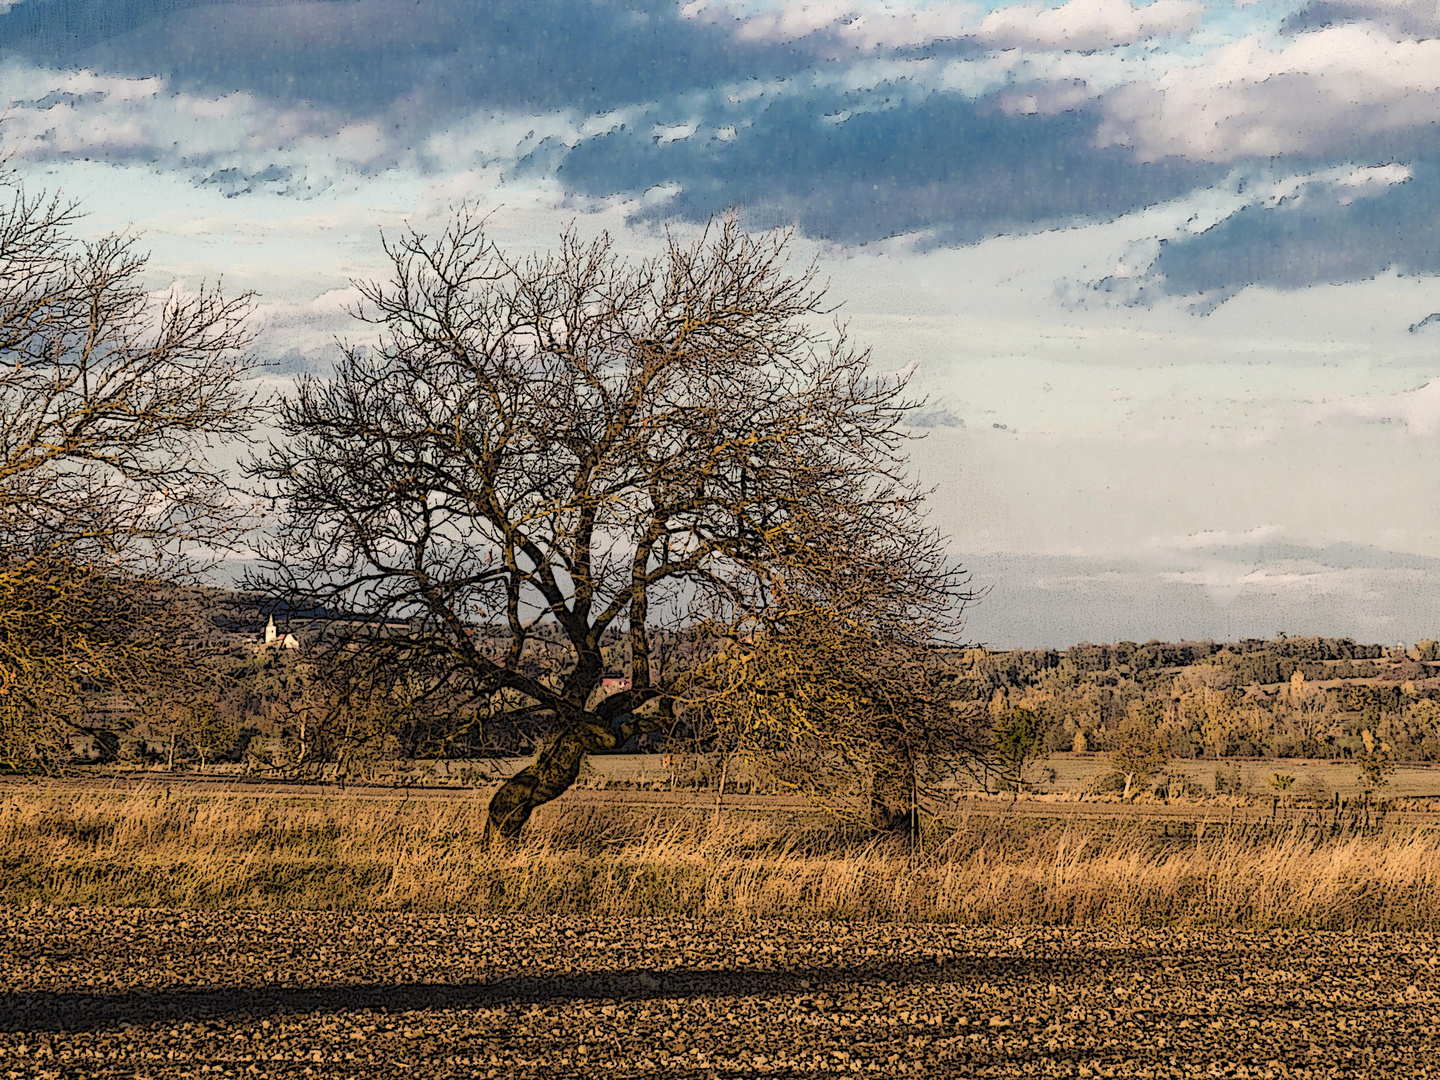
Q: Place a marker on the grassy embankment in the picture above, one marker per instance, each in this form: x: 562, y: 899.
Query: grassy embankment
x: 153, y: 848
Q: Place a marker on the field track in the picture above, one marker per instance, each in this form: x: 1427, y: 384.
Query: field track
x: 1257, y: 810
x: 170, y: 994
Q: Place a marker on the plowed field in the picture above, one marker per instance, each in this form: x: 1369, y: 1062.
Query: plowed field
x: 168, y: 994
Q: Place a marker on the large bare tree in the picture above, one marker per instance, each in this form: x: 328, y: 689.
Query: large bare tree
x: 111, y: 400
x: 542, y: 468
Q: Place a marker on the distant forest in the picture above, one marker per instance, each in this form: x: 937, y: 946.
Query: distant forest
x: 1308, y: 697
x: 275, y: 709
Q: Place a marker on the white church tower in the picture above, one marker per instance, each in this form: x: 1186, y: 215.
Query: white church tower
x: 277, y: 640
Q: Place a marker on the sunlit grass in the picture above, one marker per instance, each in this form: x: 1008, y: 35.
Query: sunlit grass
x: 152, y: 848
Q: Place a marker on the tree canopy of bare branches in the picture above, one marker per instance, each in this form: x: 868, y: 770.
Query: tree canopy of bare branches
x: 110, y: 400
x: 858, y: 720
x: 542, y: 468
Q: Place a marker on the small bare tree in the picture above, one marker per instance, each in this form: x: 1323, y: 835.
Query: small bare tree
x: 1142, y: 747
x: 839, y: 706
x: 109, y: 402
x: 539, y: 454
x: 1018, y: 745
x: 1377, y: 761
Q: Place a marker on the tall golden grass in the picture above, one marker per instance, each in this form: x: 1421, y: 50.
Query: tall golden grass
x: 152, y: 848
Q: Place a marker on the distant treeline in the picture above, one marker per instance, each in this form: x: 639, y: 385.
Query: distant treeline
x: 292, y: 712
x: 1289, y: 697
x: 1254, y: 659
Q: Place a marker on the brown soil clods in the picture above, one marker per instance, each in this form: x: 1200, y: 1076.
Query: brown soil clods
x: 110, y: 993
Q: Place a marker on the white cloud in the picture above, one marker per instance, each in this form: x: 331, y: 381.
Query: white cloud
x: 864, y: 24
x: 1214, y: 538
x: 1315, y: 92
x: 1417, y: 410
x: 330, y: 309
x: 242, y: 143
x: 1239, y: 89
x: 1371, y: 177
x: 1080, y: 25
x: 1103, y: 580
x: 60, y: 114
x: 668, y: 133
x: 1223, y: 582
x: 1085, y: 25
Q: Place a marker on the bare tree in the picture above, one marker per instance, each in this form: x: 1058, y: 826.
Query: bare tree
x: 539, y: 457
x: 109, y: 403
x: 1142, y: 745
x: 856, y: 716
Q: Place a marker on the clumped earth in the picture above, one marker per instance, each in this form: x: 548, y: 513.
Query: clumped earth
x: 101, y: 993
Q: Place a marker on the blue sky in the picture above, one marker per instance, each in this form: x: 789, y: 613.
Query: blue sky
x: 1163, y: 269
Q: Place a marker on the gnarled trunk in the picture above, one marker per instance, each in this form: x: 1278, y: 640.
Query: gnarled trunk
x: 892, y: 796
x: 555, y: 769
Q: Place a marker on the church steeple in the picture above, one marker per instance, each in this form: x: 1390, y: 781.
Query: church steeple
x: 270, y: 632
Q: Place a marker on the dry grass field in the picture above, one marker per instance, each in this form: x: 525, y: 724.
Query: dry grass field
x: 201, y: 848
x: 192, y: 930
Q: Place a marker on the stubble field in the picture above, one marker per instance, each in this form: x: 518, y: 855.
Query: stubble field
x: 154, y: 932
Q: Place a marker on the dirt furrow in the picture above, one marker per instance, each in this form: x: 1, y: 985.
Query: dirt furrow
x: 162, y: 993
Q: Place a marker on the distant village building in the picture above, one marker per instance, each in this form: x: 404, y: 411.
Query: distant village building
x: 276, y: 640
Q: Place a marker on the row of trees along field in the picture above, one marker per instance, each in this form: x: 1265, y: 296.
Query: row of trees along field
x: 294, y: 712
x: 551, y: 505
x: 1291, y: 697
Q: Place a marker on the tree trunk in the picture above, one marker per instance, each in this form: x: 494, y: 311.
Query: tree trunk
x: 917, y: 836
x: 891, y: 797
x: 556, y: 768
x: 720, y: 795
x: 108, y: 745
